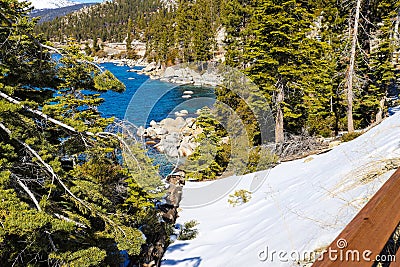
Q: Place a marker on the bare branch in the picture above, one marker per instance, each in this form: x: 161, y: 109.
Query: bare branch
x: 37, y: 112
x: 47, y: 167
x: 51, y: 171
x: 58, y: 51
x: 69, y: 128
x: 62, y: 217
x: 51, y: 241
x: 29, y: 192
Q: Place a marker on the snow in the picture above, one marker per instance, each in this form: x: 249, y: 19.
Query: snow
x: 301, y: 206
x: 51, y: 4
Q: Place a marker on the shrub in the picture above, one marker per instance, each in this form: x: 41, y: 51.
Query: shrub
x: 261, y: 158
x: 101, y: 54
x: 188, y: 232
x: 239, y: 197
x: 350, y: 136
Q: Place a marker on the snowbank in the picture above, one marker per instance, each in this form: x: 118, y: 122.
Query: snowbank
x: 301, y: 206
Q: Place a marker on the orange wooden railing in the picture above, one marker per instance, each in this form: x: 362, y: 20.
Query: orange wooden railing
x: 369, y: 231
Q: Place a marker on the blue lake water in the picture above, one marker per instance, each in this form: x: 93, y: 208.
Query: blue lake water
x: 145, y: 100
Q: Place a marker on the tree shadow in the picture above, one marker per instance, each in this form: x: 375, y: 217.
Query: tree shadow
x: 193, y: 262
x: 177, y: 247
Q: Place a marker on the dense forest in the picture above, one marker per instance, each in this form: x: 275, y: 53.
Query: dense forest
x: 322, y: 66
x: 315, y: 60
x: 66, y: 199
x: 308, y: 57
x: 107, y: 21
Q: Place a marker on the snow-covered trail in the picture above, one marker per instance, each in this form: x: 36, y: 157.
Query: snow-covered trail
x: 300, y: 207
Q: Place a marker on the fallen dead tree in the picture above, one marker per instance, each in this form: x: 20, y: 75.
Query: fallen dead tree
x: 299, y: 146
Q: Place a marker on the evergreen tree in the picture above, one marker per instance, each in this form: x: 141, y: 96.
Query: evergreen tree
x: 95, y: 45
x: 209, y: 159
x: 283, y: 59
x: 66, y: 198
x: 129, y: 35
x: 376, y: 65
x: 235, y: 18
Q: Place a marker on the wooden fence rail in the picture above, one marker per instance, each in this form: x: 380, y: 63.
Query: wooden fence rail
x: 367, y: 234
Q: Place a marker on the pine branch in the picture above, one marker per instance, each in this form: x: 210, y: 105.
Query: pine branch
x: 51, y: 171
x: 38, y: 113
x: 27, y: 190
x: 62, y: 217
x: 45, y: 165
x: 69, y: 128
x: 122, y: 142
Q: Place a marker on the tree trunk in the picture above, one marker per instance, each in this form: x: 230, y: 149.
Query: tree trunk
x: 350, y: 74
x: 379, y: 115
x: 279, y: 134
x: 396, y: 27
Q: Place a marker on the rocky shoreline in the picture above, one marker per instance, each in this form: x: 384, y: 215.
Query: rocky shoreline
x: 196, y: 74
x: 121, y: 62
x: 172, y: 137
x: 193, y: 74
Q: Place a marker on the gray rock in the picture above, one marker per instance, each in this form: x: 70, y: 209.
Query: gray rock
x: 167, y: 121
x: 153, y: 123
x: 151, y: 67
x: 169, y: 72
x: 181, y: 113
x: 180, y: 122
x: 141, y: 131
x: 160, y: 131
x: 151, y: 133
x: 172, y: 152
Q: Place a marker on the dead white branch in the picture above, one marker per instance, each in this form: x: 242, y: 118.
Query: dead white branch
x: 29, y: 192
x: 46, y: 166
x: 62, y: 217
x: 37, y: 112
x: 67, y: 127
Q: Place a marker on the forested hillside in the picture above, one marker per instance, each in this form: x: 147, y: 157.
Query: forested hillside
x: 107, y: 21
x: 323, y: 66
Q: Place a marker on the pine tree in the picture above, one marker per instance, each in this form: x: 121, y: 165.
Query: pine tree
x: 235, y: 18
x: 207, y: 160
x: 203, y: 33
x: 129, y: 35
x: 283, y: 59
x: 379, y: 44
x: 371, y: 42
x: 66, y: 198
